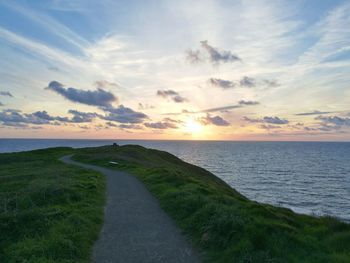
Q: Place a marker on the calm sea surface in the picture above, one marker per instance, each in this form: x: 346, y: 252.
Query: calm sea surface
x: 308, y: 177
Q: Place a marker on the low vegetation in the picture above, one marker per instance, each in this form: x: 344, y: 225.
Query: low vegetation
x: 52, y: 212
x: 223, y: 224
x: 49, y: 211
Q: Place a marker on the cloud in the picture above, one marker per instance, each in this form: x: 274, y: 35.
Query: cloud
x: 123, y: 114
x: 193, y: 56
x: 84, y: 127
x: 323, y: 128
x: 244, y: 82
x: 221, y: 83
x: 275, y: 120
x: 267, y: 119
x: 54, y: 68
x: 45, y: 116
x: 271, y: 83
x: 175, y: 96
x: 145, y: 106
x: 97, y: 97
x: 247, y: 82
x: 269, y: 126
x: 316, y: 112
x: 248, y: 102
x: 1, y: 104
x: 79, y: 116
x: 210, y: 54
x: 217, y: 109
x: 216, y: 56
x: 12, y: 117
x: 124, y: 126
x: 49, y: 23
x: 130, y: 127
x: 162, y: 125
x: 334, y: 120
x: 104, y: 84
x: 166, y: 93
x: 172, y: 120
x: 214, y: 120
x: 15, y: 124
x: 111, y: 124
x: 6, y: 93
x: 224, y: 108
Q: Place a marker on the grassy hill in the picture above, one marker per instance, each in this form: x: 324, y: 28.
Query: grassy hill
x: 226, y: 226
x: 49, y: 211
x: 52, y: 212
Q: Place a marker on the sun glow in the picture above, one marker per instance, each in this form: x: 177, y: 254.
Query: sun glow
x: 193, y: 127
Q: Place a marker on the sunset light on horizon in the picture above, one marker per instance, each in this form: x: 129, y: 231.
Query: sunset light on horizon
x: 175, y: 70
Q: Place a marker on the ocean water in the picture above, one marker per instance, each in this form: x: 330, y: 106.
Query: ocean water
x: 308, y: 177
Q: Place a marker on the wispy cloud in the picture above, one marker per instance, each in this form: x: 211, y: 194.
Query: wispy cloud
x: 49, y: 53
x: 315, y: 112
x: 240, y: 104
x: 173, y: 95
x: 49, y: 23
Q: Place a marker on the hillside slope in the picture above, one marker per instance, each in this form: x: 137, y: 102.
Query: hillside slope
x: 225, y: 225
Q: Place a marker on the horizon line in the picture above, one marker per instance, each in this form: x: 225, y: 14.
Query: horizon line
x: 168, y: 140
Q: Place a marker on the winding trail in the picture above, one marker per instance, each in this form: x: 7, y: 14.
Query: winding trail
x: 135, y: 228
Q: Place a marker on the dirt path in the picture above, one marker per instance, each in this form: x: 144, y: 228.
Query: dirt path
x: 135, y: 228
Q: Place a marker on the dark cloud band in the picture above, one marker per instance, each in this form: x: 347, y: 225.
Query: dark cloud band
x: 98, y: 97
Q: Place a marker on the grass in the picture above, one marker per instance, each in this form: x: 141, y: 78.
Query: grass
x: 223, y: 224
x: 49, y: 211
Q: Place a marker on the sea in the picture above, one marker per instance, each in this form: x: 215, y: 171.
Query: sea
x: 307, y: 177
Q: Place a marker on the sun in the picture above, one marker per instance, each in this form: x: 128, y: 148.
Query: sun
x: 193, y: 127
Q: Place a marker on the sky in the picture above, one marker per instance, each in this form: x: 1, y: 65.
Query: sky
x: 180, y: 70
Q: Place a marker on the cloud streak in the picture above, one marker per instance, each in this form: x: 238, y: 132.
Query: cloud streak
x: 316, y: 112
x: 267, y: 119
x: 240, y: 104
